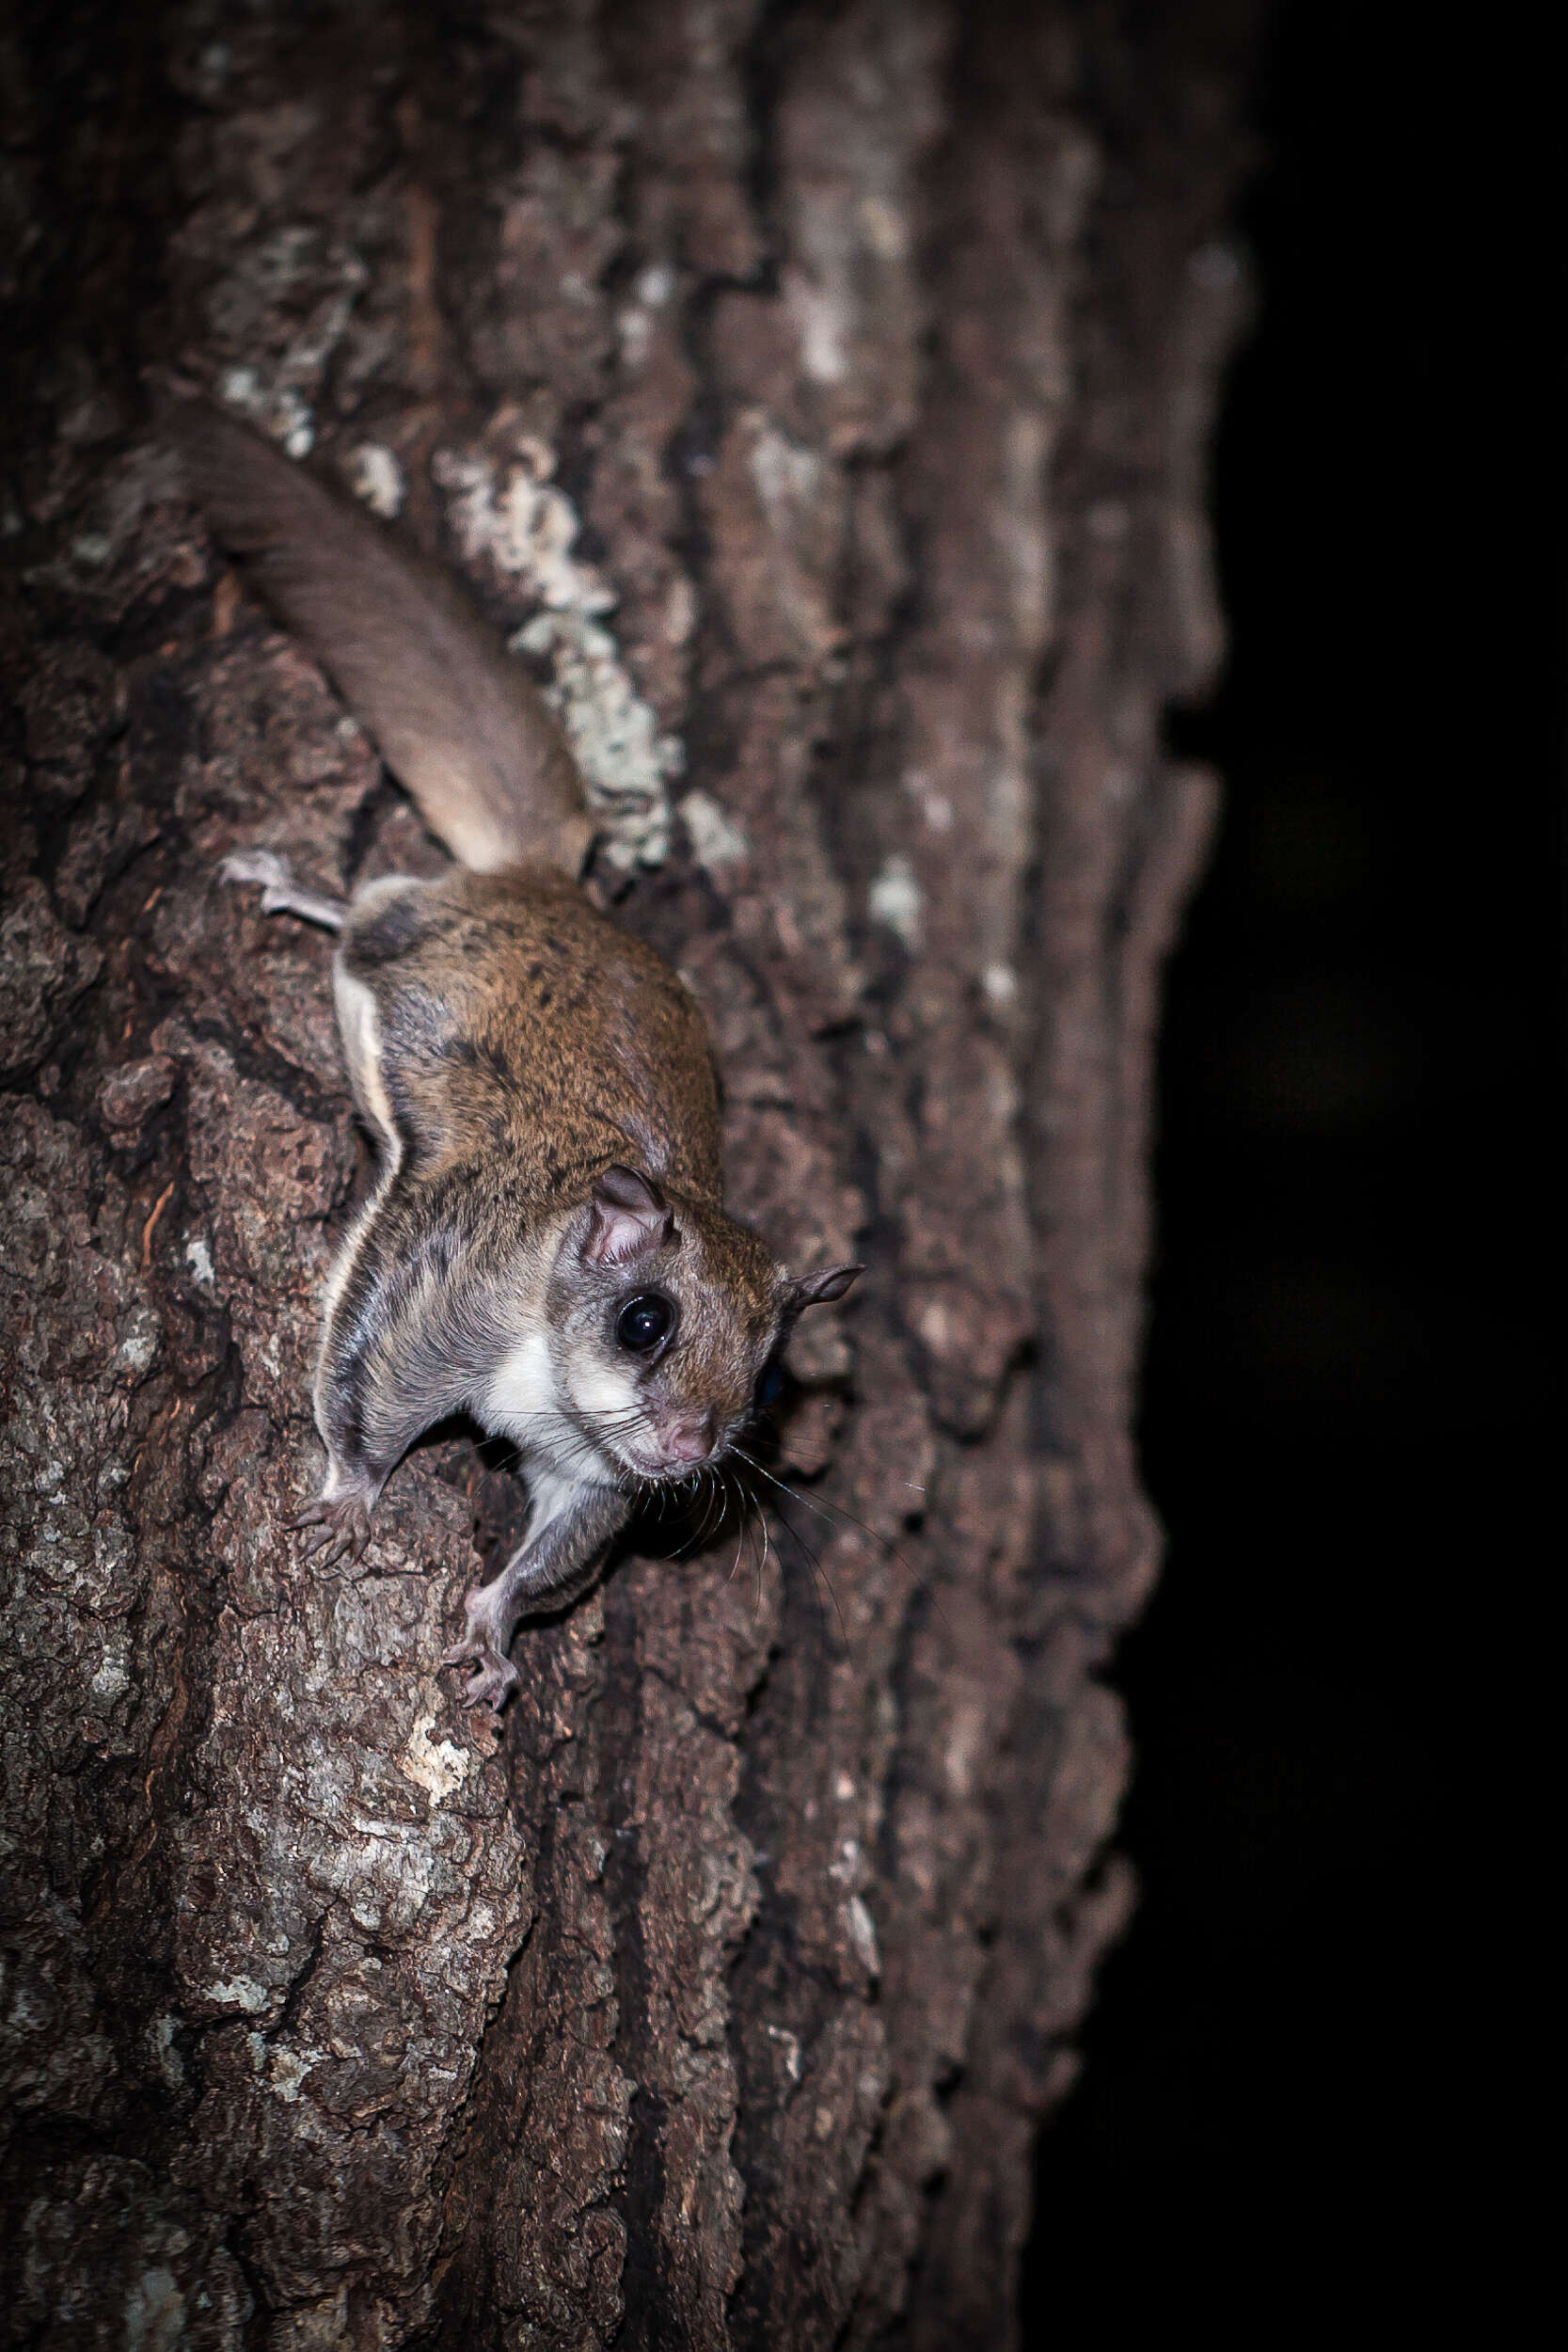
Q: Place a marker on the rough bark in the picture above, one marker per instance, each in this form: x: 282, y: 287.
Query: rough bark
x: 826, y: 387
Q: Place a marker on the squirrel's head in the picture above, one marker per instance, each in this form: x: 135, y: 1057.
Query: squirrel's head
x: 666, y: 1320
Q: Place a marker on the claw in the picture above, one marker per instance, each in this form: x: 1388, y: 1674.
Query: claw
x: 256, y: 866
x: 280, y: 893
x: 494, y: 1678
x: 491, y: 1686
x: 337, y: 1529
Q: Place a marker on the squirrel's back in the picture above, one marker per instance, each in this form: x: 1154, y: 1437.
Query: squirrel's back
x: 516, y: 1023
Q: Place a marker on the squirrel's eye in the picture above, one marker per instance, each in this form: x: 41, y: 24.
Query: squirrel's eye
x: 771, y: 1383
x: 646, y: 1322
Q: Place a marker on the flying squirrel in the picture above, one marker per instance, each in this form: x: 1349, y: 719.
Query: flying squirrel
x: 545, y: 1248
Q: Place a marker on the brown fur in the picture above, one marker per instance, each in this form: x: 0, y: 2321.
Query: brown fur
x: 516, y: 1018
x: 540, y: 1084
x: 466, y: 728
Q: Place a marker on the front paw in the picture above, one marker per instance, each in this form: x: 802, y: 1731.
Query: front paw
x: 339, y: 1528
x: 494, y: 1678
x: 492, y: 1682
x: 260, y: 865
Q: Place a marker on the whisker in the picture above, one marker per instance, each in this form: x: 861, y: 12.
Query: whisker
x: 693, y: 1543
x: 739, y: 1548
x: 827, y: 1510
x: 818, y: 1573
x: 751, y: 1515
x: 823, y: 1508
x: 716, y: 1501
x: 762, y: 1563
x: 586, y: 1439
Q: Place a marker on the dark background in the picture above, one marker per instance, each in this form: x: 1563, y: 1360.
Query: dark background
x: 1352, y: 1384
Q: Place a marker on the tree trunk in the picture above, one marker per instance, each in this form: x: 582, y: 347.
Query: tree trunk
x: 826, y: 387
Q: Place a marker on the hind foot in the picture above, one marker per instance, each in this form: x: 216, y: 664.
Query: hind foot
x: 337, y: 1528
x: 280, y: 893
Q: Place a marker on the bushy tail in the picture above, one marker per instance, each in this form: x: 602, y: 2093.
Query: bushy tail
x: 462, y: 725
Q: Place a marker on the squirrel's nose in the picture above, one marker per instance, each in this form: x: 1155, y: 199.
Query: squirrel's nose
x: 690, y: 1438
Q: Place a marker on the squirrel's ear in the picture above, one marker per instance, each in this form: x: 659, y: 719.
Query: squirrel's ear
x: 814, y: 1290
x: 627, y: 1214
